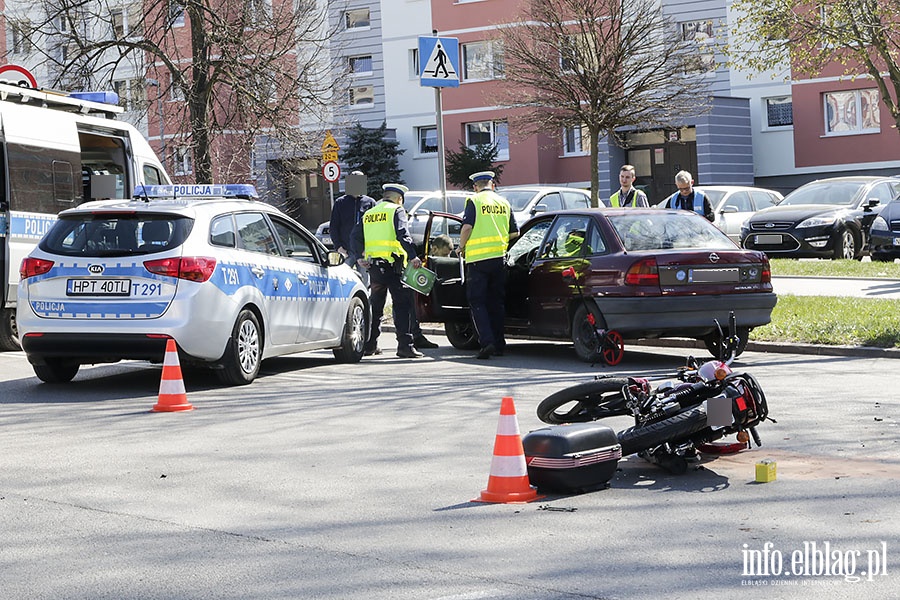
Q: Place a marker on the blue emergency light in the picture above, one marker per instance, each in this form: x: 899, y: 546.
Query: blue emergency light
x: 202, y: 190
x: 101, y: 97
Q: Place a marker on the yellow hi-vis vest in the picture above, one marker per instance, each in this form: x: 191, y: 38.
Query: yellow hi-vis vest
x: 381, y: 237
x: 490, y: 234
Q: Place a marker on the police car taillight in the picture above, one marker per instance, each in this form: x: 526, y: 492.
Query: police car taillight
x: 191, y: 268
x: 34, y: 266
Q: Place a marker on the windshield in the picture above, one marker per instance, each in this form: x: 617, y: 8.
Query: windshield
x: 715, y: 196
x: 518, y: 199
x: 666, y: 231
x: 457, y: 204
x: 831, y: 192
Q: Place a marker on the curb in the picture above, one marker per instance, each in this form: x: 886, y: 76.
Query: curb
x: 775, y: 347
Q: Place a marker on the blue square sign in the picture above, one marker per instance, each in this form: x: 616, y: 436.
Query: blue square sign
x: 438, y: 62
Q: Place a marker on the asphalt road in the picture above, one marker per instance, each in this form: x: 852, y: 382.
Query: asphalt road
x: 322, y: 480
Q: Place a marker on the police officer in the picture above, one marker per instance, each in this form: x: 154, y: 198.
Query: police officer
x: 383, y: 241
x: 488, y: 226
x: 687, y: 198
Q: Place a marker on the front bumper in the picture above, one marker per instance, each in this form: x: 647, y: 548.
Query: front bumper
x: 684, y: 316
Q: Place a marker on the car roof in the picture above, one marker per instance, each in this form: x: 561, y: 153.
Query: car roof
x: 180, y: 206
x: 542, y: 188
x: 734, y: 188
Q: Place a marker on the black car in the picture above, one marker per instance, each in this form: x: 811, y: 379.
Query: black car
x: 828, y: 218
x: 884, y: 241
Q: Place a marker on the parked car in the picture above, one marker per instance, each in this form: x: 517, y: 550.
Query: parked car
x: 529, y: 200
x: 884, y: 241
x: 828, y: 218
x: 646, y: 273
x: 417, y: 205
x: 233, y: 281
x: 734, y: 204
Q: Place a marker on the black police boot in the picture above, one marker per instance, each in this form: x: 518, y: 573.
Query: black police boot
x: 409, y: 352
x: 422, y: 343
x: 486, y: 352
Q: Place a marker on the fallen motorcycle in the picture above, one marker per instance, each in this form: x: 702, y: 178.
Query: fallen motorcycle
x: 701, y: 404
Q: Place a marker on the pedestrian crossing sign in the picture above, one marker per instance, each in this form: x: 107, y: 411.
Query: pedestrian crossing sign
x: 438, y: 62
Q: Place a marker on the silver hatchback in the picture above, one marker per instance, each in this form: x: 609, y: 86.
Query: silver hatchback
x: 232, y: 280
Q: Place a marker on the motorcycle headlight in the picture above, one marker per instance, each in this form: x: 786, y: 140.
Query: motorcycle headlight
x: 880, y: 224
x: 816, y: 222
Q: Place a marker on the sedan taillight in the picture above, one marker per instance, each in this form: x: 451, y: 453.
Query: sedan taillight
x: 34, y: 266
x: 191, y: 268
x: 766, y: 272
x: 643, y: 272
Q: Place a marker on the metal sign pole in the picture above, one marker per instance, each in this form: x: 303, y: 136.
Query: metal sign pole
x: 442, y: 168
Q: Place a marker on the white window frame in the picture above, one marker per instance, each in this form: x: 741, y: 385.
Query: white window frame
x: 580, y: 139
x: 132, y: 93
x: 260, y: 12
x: 350, y: 22
x: 498, y: 131
x: 176, y: 14
x: 484, y: 57
x: 358, y: 91
x: 422, y: 136
x: 360, y: 57
x: 183, y: 157
x: 767, y: 126
x: 414, y: 63
x: 852, y: 108
x: 702, y: 33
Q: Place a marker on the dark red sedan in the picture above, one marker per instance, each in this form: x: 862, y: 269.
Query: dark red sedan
x: 645, y: 273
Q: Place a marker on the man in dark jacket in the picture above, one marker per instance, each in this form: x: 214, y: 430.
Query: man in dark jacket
x: 347, y: 212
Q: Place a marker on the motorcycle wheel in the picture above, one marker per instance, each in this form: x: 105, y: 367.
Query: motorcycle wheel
x: 674, y: 429
x: 585, y: 402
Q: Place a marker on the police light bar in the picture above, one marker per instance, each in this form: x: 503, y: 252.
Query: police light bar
x: 206, y: 190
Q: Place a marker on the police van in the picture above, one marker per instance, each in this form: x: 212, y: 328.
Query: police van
x: 57, y: 152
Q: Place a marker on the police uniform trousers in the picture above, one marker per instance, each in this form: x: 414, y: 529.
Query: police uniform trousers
x: 385, y: 278
x: 486, y: 292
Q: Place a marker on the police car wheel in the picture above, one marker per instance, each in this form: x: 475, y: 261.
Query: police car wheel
x: 356, y: 329
x: 56, y: 370
x: 243, y: 355
x: 9, y: 334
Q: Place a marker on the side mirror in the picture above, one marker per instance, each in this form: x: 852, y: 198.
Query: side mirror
x: 872, y: 202
x: 539, y: 208
x: 728, y: 209
x: 335, y: 258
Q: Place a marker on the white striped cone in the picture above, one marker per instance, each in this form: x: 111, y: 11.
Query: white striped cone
x: 508, y: 480
x: 172, y: 396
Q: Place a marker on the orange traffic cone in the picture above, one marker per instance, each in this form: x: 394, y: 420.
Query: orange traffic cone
x: 172, y: 396
x: 508, y: 481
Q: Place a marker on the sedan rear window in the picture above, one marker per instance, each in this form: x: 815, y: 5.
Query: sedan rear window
x: 665, y: 231
x: 116, y: 234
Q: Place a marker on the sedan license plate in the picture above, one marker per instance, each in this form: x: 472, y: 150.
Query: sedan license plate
x: 714, y: 276
x: 768, y: 238
x: 98, y: 287
x: 897, y: 241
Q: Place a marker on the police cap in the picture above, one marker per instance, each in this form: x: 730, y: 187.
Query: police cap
x: 482, y: 176
x: 395, y: 187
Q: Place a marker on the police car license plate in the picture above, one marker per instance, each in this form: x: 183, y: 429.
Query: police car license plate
x: 768, y: 239
x: 98, y: 287
x: 897, y: 241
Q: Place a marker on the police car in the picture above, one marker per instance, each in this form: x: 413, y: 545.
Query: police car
x: 232, y: 280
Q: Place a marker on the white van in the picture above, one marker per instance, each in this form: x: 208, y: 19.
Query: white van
x: 58, y: 151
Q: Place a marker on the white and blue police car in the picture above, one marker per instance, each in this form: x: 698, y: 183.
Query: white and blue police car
x: 232, y: 280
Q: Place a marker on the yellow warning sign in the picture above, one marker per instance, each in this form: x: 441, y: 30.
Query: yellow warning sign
x: 330, y: 145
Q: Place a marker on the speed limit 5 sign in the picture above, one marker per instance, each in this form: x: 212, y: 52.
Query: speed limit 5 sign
x: 331, y: 171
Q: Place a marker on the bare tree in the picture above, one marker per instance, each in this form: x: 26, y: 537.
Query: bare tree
x: 844, y: 37
x: 598, y: 64
x: 225, y: 70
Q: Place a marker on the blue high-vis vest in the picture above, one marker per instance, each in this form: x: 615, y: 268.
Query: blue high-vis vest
x: 698, y: 201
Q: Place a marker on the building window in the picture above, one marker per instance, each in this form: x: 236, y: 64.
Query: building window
x: 260, y: 12
x: 414, y: 63
x: 855, y: 111
x: 701, y: 34
x: 132, y: 93
x: 20, y: 37
x: 482, y: 61
x: 427, y: 137
x: 357, y: 19
x: 576, y: 140
x: 779, y: 111
x: 184, y: 160
x: 363, y: 95
x: 489, y: 133
x: 176, y: 14
x: 361, y: 65
x: 176, y: 94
